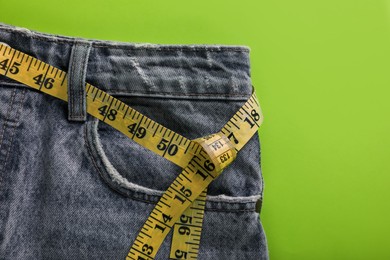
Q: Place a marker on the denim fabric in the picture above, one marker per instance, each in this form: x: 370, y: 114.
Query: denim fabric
x: 80, y: 189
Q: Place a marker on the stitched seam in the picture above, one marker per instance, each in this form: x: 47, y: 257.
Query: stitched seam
x: 230, y: 210
x: 83, y: 95
x: 89, y: 149
x: 122, y: 92
x: 189, y: 94
x: 79, y: 83
x: 71, y: 85
x: 14, y: 128
x: 119, y: 91
x: 4, y: 127
x: 6, y: 117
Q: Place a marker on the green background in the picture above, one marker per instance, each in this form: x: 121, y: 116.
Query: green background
x: 321, y: 71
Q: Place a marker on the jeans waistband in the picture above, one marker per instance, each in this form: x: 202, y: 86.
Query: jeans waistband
x: 124, y: 67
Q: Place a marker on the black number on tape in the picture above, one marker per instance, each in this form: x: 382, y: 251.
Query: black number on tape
x: 14, y: 68
x: 181, y: 254
x: 186, y: 192
x: 255, y: 117
x: 171, y: 149
x: 160, y: 227
x: 185, y: 219
x: 224, y: 157
x: 217, y: 145
x: 180, y: 199
x: 3, y: 64
x: 147, y: 249
x: 204, y: 176
x: 47, y: 83
x: 209, y: 166
x: 231, y: 135
x: 166, y: 218
x: 111, y: 115
x: 183, y: 230
x: 141, y: 131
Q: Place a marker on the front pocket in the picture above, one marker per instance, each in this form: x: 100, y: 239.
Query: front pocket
x: 141, y: 174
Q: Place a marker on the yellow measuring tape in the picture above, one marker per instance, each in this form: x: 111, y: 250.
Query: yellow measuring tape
x: 181, y: 207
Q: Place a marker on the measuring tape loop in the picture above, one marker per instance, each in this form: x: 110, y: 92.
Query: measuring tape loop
x: 219, y: 149
x: 202, y: 160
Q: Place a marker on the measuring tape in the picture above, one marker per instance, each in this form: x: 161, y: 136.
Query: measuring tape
x: 181, y: 207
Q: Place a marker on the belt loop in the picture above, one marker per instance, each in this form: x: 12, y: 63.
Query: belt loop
x: 77, y: 109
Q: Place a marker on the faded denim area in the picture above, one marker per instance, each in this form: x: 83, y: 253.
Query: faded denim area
x: 83, y: 190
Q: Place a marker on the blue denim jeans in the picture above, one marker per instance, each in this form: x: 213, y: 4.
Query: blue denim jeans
x: 73, y: 187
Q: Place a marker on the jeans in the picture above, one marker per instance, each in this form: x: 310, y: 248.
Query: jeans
x: 73, y: 187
